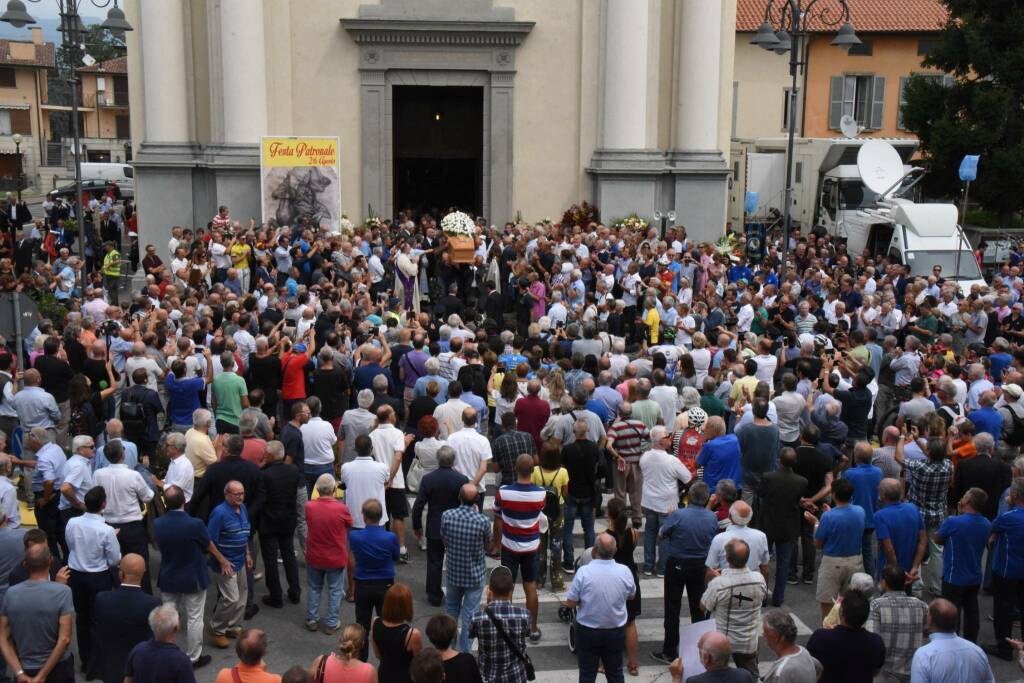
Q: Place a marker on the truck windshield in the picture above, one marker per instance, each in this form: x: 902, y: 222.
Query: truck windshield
x: 853, y: 195
x: 922, y: 262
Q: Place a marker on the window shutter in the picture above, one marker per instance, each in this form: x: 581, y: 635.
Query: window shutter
x: 903, y: 100
x: 21, y: 121
x: 877, y: 102
x: 835, y: 102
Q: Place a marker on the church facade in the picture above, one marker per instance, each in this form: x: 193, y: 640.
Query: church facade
x: 511, y: 109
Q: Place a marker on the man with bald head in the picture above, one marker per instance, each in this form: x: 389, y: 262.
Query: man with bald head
x: 35, y: 406
x: 715, y: 655
x: 121, y: 619
x: 599, y: 591
x: 734, y: 599
x: 900, y: 530
x: 532, y: 412
x: 947, y: 656
x: 465, y: 534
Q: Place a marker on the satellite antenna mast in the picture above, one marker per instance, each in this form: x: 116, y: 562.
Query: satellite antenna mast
x: 849, y: 126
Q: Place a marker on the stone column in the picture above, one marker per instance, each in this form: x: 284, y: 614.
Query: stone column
x: 243, y: 71
x: 627, y: 27
x: 700, y: 42
x: 163, y: 64
x: 698, y: 165
x: 627, y: 165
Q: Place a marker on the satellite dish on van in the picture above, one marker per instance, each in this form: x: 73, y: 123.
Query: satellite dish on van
x: 849, y: 126
x: 880, y: 166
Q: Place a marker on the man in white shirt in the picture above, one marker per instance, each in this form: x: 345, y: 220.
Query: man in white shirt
x: 557, y: 312
x: 389, y: 445
x: 734, y: 599
x: 364, y: 479
x: 180, y: 472
x: 449, y: 414
x: 92, y: 552
x: 9, y: 505
x: 745, y: 317
x: 127, y: 494
x: 766, y: 362
x: 472, y: 452
x: 244, y: 340
x: 220, y: 251
x: 739, y: 515
x: 318, y: 440
x: 139, y: 359
x: 660, y: 494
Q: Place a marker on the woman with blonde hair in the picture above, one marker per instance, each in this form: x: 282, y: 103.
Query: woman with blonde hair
x: 344, y: 666
x: 555, y: 384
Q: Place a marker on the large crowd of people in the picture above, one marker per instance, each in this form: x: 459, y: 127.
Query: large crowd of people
x: 276, y: 398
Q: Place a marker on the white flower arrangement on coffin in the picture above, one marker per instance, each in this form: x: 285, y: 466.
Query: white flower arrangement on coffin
x: 458, y: 224
x: 346, y: 227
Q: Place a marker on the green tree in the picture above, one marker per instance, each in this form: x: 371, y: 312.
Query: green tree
x: 982, y: 111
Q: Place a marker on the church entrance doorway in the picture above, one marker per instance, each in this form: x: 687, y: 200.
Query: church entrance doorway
x: 438, y: 149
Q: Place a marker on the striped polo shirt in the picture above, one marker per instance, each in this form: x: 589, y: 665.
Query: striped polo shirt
x: 520, y: 507
x: 630, y: 438
x: 229, y: 531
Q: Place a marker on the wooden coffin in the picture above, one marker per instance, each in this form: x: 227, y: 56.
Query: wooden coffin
x: 461, y: 248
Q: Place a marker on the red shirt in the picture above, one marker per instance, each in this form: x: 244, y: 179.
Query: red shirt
x: 254, y: 450
x: 532, y: 414
x: 329, y: 521
x: 293, y: 375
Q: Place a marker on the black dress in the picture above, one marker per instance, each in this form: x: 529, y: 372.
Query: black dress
x: 394, y: 654
x: 625, y: 547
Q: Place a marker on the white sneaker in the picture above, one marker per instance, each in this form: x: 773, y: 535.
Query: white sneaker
x: 423, y: 543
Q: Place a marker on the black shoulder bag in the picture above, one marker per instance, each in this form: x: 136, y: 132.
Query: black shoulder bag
x: 525, y: 658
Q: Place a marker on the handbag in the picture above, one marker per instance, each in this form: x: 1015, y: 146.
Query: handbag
x: 414, y: 475
x: 531, y: 674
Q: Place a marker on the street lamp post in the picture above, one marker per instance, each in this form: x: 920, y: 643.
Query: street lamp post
x: 665, y: 217
x: 72, y: 28
x: 20, y: 180
x: 785, y: 29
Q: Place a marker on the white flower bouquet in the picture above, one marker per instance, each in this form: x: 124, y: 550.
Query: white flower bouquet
x: 632, y: 222
x: 458, y: 224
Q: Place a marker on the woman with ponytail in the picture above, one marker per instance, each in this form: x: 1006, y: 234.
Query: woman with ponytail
x: 344, y: 665
x: 625, y: 539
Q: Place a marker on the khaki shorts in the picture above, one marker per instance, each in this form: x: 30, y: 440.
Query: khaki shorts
x: 834, y: 575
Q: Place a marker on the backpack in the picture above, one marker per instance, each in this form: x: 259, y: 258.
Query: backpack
x: 1016, y: 437
x: 133, y: 416
x: 78, y: 422
x: 689, y: 447
x: 552, y: 499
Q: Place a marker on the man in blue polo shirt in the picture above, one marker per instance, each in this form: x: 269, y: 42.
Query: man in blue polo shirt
x: 900, y: 530
x: 838, y: 537
x: 865, y: 478
x: 720, y: 456
x: 229, y: 530
x: 1007, y: 568
x: 375, y: 551
x: 963, y: 538
x: 183, y: 392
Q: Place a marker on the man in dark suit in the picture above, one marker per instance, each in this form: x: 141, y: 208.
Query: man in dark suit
x: 25, y: 250
x: 184, y: 575
x: 440, y: 490
x: 984, y: 472
x: 277, y: 524
x: 781, y: 492
x: 121, y: 620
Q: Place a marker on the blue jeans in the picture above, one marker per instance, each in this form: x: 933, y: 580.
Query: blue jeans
x: 585, y: 506
x: 783, y: 560
x: 312, y: 472
x: 460, y: 603
x: 335, y: 594
x: 600, y: 644
x: 652, y: 523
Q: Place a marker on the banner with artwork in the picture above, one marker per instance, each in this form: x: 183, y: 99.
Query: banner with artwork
x: 299, y: 176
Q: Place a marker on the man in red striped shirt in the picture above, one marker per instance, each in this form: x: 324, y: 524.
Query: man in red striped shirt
x: 517, y: 511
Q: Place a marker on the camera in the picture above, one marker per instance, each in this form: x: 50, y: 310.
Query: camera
x: 109, y: 328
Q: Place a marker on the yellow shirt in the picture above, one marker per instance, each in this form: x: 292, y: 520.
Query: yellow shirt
x: 240, y: 256
x: 749, y: 383
x: 112, y: 264
x: 653, y: 321
x: 556, y: 480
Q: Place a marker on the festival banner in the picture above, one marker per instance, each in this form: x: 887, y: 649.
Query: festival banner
x: 299, y: 176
